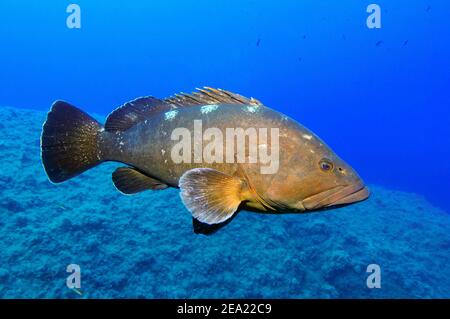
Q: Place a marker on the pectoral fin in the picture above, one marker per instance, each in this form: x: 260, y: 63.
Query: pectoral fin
x: 130, y: 181
x: 211, y: 196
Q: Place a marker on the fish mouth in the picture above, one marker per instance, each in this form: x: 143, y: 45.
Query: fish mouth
x: 340, y: 195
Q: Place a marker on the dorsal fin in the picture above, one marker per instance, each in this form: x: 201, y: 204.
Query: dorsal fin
x: 207, y: 96
x: 133, y: 112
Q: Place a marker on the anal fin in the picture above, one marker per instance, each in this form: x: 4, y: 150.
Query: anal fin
x: 131, y: 181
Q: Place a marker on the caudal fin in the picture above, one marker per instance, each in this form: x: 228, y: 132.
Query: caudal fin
x: 69, y: 142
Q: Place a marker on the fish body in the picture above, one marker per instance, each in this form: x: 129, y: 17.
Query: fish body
x: 223, y: 151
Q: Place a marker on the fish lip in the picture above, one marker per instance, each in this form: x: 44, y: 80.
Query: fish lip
x: 358, y: 195
x: 339, y: 195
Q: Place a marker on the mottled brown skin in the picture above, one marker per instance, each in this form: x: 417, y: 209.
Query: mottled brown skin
x: 300, y: 183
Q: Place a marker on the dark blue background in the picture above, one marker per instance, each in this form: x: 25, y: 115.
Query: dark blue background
x: 383, y: 108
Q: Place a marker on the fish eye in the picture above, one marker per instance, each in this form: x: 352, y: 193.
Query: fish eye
x: 326, y: 165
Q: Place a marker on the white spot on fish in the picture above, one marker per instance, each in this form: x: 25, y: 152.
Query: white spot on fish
x: 163, y: 152
x: 307, y: 136
x: 205, y: 109
x: 170, y: 115
x: 284, y: 118
x: 121, y: 143
x: 251, y: 108
x: 312, y: 151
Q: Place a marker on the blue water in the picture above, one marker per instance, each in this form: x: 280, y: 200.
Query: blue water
x: 378, y: 97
